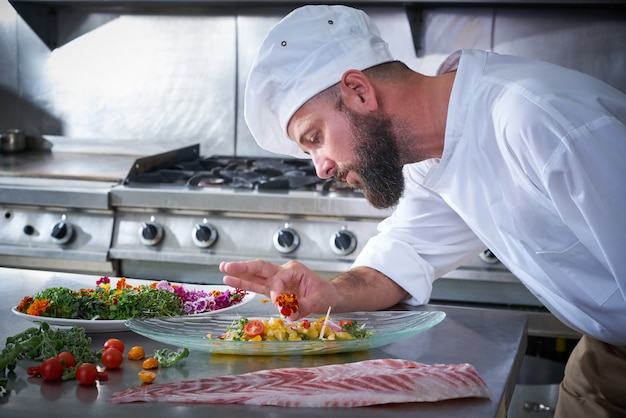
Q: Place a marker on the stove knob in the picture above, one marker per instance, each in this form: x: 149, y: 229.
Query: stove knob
x: 488, y: 257
x: 204, y: 235
x: 343, y: 242
x: 150, y: 233
x: 286, y: 240
x: 62, y: 232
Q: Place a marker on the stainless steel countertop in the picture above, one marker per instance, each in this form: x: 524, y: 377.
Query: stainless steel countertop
x: 493, y: 343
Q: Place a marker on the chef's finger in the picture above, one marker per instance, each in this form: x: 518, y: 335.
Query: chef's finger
x: 299, y: 315
x: 249, y: 269
x: 251, y: 286
x: 255, y: 276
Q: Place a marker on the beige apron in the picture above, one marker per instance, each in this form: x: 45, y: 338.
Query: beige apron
x: 594, y: 385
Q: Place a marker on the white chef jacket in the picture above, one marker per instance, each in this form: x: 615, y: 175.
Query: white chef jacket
x: 533, y: 168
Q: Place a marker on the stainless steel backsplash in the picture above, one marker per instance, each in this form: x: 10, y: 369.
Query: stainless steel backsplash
x: 168, y: 80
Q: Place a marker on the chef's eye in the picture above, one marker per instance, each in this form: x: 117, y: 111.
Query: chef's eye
x: 315, y: 139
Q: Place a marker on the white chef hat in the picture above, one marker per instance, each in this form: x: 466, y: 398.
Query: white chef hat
x: 302, y: 55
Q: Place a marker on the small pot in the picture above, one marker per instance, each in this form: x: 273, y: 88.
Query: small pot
x: 12, y: 140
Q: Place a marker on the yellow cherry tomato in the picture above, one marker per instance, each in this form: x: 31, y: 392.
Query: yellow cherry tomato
x: 150, y: 363
x: 136, y: 353
x: 146, y: 376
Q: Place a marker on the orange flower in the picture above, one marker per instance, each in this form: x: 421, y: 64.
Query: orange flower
x: 288, y: 303
x: 24, y: 304
x: 121, y: 283
x: 38, y: 307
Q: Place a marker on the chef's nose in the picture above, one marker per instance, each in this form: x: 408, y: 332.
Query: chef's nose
x: 325, y: 167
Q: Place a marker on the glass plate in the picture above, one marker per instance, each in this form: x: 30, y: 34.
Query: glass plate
x: 387, y: 326
x: 106, y: 325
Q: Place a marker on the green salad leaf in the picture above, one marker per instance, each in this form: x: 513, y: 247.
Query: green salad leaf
x: 99, y: 303
x: 43, y: 342
x: 167, y: 358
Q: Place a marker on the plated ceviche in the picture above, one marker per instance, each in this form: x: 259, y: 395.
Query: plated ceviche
x: 124, y: 301
x: 276, y: 329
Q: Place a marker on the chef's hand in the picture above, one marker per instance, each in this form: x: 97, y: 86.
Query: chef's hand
x: 315, y: 293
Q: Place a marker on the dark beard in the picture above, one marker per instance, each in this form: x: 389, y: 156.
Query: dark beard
x: 378, y: 165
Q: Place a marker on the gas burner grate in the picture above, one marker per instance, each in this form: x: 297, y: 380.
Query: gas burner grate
x: 234, y: 172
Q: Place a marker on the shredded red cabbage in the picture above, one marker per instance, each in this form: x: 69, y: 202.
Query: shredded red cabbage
x: 198, y: 301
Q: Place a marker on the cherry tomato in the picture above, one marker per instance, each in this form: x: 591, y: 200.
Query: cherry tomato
x: 34, y: 371
x: 146, y: 376
x: 86, y: 374
x: 253, y: 328
x: 112, y: 358
x: 344, y: 322
x: 136, y: 353
x: 67, y: 359
x: 114, y: 343
x: 51, y: 369
x: 150, y: 363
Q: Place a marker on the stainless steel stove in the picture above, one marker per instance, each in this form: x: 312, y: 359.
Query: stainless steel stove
x: 183, y: 213
x: 55, y: 210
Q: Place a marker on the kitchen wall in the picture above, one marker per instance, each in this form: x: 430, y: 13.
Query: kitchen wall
x: 147, y: 81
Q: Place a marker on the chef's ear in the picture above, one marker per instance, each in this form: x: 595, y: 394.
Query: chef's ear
x: 357, y: 92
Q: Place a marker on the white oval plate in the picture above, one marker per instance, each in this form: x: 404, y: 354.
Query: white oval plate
x: 103, y: 325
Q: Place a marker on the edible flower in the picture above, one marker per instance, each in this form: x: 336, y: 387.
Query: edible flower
x: 38, y: 307
x: 104, y: 280
x: 287, y: 303
x: 24, y: 304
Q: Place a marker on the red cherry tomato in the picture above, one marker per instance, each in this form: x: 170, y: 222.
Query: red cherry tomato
x: 67, y: 359
x: 51, y: 369
x: 114, y: 343
x: 86, y: 374
x: 34, y: 371
x: 344, y: 322
x: 253, y: 328
x: 112, y: 358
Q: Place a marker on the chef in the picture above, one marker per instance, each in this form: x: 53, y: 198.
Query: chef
x: 522, y: 157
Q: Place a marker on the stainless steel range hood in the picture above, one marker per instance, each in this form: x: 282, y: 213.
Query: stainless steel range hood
x: 57, y: 22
